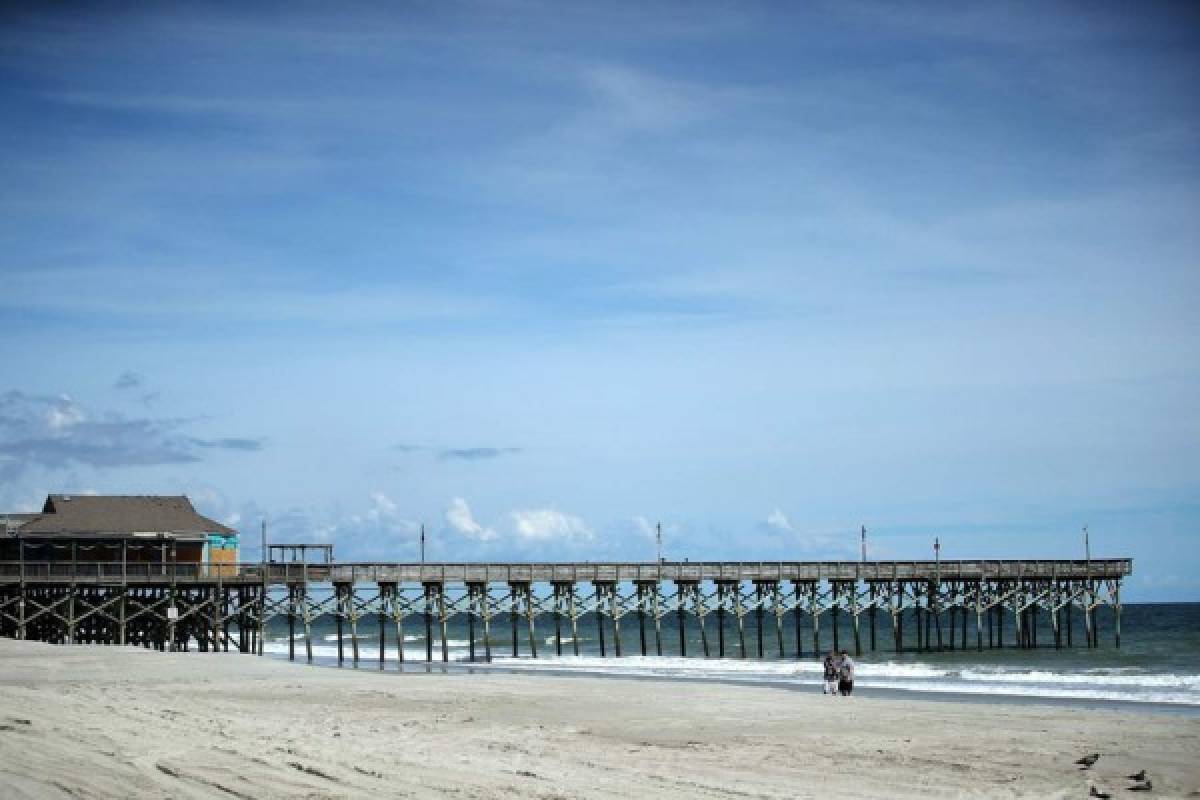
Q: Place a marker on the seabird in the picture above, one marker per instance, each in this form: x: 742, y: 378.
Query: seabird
x: 1144, y: 786
x: 1087, y: 761
x: 1099, y: 794
x: 1141, y: 776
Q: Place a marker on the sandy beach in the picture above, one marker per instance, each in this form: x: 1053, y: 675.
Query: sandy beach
x: 111, y: 722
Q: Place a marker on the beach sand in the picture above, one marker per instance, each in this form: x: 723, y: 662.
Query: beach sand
x: 91, y: 721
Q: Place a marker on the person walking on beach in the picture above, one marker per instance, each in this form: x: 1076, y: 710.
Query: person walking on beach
x: 845, y: 682
x: 832, y: 669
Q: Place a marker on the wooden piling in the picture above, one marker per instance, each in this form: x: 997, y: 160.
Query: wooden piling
x: 641, y: 613
x: 680, y: 617
x: 720, y: 620
x: 600, y: 618
x: 444, y: 619
x: 616, y: 619
x: 530, y: 611
x: 339, y: 594
x: 758, y: 617
x: 574, y: 618
x: 381, y: 617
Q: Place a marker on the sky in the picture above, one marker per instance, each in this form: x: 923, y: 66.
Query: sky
x: 540, y: 276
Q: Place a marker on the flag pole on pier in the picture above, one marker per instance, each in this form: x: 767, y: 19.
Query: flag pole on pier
x: 422, y: 542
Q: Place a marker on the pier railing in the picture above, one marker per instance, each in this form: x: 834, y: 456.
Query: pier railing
x: 561, y: 572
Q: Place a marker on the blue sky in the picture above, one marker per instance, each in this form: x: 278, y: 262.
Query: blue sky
x: 539, y: 276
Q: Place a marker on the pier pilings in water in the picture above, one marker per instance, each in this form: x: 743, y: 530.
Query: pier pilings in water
x: 944, y: 604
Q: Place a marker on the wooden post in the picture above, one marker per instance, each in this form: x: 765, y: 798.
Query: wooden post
x: 600, y: 616
x: 1087, y: 618
x: 471, y: 621
x: 485, y: 604
x: 71, y: 602
x: 681, y: 591
x: 816, y: 618
x: 307, y: 621
x: 214, y: 595
x: 796, y: 621
x: 962, y: 642
x: 835, y: 613
x: 339, y: 596
x: 854, y: 611
x: 720, y: 620
x: 574, y: 618
x: 1116, y: 595
x: 616, y: 617
x: 120, y: 615
x: 1019, y: 616
x: 641, y: 612
x: 874, y: 613
x: 935, y: 592
x: 896, y: 600
x: 657, y: 622
x: 513, y: 614
x: 558, y: 604
x: 777, y: 602
x: 443, y: 618
x: 398, y: 621
x: 352, y: 607
x: 918, y: 617
x: 261, y: 627
x: 758, y: 617
x: 428, y: 588
x: 381, y: 618
x: 529, y: 615
x: 979, y: 618
x: 1070, y: 605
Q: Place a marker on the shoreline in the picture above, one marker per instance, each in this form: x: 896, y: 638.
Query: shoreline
x: 127, y: 722
x: 862, y: 688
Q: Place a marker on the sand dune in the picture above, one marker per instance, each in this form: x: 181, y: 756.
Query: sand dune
x: 110, y: 722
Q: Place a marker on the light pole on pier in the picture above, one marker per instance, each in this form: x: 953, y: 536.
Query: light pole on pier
x: 658, y: 540
x: 422, y: 543
x: 864, y: 544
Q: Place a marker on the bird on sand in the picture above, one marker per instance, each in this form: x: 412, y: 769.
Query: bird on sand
x: 1087, y: 761
x: 1138, y: 776
x: 1144, y: 786
x: 1099, y: 794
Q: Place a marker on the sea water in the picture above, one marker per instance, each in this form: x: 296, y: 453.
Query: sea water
x: 1158, y: 661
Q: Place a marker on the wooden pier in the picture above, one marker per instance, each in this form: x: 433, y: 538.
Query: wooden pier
x: 219, y: 606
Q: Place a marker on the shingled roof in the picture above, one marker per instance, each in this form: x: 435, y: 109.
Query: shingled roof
x: 114, y: 514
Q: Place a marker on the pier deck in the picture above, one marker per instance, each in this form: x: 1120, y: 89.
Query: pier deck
x: 221, y: 605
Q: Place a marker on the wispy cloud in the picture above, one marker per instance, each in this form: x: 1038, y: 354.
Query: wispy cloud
x: 480, y: 453
x: 476, y: 453
x: 230, y: 443
x: 128, y: 380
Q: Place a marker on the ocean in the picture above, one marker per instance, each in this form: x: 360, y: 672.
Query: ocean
x: 1158, y: 662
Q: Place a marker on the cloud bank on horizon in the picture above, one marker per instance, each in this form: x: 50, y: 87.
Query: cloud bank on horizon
x: 538, y: 278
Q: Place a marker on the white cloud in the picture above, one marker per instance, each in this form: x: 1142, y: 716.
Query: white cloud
x: 545, y: 524
x: 462, y: 521
x: 778, y: 521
